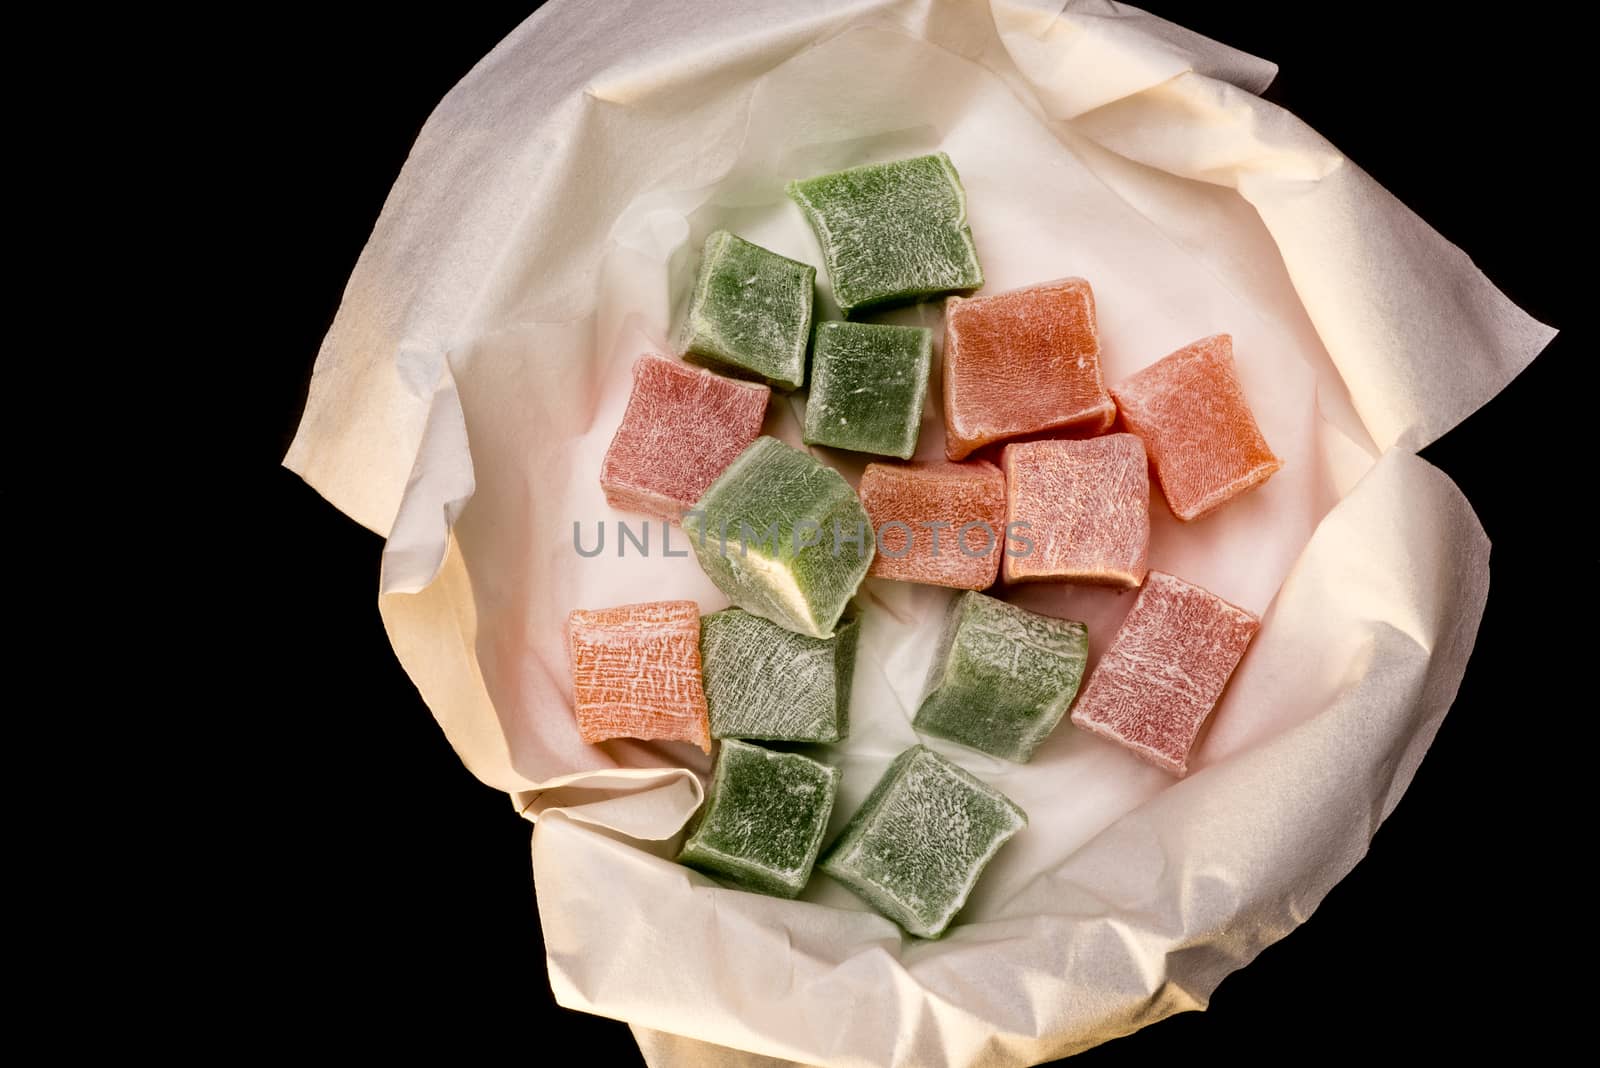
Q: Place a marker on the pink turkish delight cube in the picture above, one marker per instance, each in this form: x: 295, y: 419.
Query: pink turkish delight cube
x: 682, y: 428
x: 1079, y: 511
x: 1164, y: 671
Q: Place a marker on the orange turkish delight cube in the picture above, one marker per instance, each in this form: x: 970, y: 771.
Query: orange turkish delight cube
x: 1020, y: 363
x: 1202, y: 438
x: 636, y: 673
x: 942, y: 524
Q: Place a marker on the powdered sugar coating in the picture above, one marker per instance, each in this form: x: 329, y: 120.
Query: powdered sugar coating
x: 750, y: 315
x: 1165, y: 670
x: 968, y: 499
x: 868, y: 382
x: 892, y: 232
x: 1020, y: 363
x: 763, y: 820
x: 763, y: 681
x: 783, y: 536
x: 1197, y: 426
x: 1087, y: 506
x: 916, y: 846
x: 1003, y: 678
x: 636, y: 673
x: 682, y: 428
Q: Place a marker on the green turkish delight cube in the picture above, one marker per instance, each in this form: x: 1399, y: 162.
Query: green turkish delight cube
x: 750, y: 315
x: 783, y: 536
x: 763, y: 819
x: 762, y: 681
x: 1003, y: 678
x: 867, y: 387
x: 915, y: 848
x: 892, y: 233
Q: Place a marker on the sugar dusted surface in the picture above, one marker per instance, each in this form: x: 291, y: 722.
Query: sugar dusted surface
x: 1087, y: 506
x: 636, y: 673
x: 750, y: 315
x: 1022, y: 362
x: 682, y: 428
x: 763, y: 681
x: 892, y: 232
x: 916, y: 847
x: 1196, y: 424
x: 763, y: 819
x: 937, y: 492
x: 1165, y: 670
x: 868, y: 383
x: 771, y: 487
x: 1003, y: 677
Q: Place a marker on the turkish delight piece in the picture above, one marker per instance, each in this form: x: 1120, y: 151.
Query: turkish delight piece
x: 1022, y: 362
x: 1003, y: 677
x: 765, y: 682
x: 636, y: 673
x: 1086, y: 506
x: 1197, y: 427
x: 783, y: 536
x: 1164, y: 671
x: 750, y: 315
x: 915, y: 848
x: 892, y: 233
x: 942, y: 524
x: 867, y: 386
x: 763, y: 819
x: 682, y: 427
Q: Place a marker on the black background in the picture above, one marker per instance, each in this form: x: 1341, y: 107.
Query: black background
x: 400, y: 886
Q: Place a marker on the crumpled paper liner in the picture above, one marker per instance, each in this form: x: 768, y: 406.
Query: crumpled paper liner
x: 543, y: 233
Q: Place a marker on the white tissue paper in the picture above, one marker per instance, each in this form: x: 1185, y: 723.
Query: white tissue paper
x: 544, y: 233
